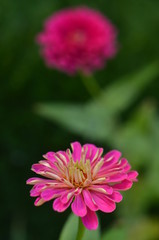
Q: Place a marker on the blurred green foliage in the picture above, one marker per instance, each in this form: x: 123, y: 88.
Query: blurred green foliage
x: 125, y: 117
x: 96, y: 119
x: 70, y: 230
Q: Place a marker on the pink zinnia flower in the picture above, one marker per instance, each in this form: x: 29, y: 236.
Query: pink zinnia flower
x: 79, y: 39
x: 84, y: 179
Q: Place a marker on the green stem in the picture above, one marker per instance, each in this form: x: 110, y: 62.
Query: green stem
x: 91, y: 85
x: 81, y: 229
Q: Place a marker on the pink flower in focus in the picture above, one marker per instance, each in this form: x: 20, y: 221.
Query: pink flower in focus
x: 79, y: 39
x: 83, y: 179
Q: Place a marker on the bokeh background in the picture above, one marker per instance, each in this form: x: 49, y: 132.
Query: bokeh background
x: 43, y: 109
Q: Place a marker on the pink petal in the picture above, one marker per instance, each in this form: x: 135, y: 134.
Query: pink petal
x: 38, y: 168
x: 116, y: 197
x: 34, y: 193
x: 89, y: 201
x: 64, y: 156
x: 39, y: 201
x: 99, y: 188
x: 47, y: 163
x: 127, y: 167
x: 50, y: 164
x: 132, y: 175
x: 117, y: 177
x: 103, y: 203
x: 50, y: 156
x: 123, y: 162
x: 41, y: 168
x: 59, y: 206
x: 49, y: 194
x: 92, y: 150
x: 122, y: 165
x: 78, y: 206
x: 124, y: 185
x: 67, y: 195
x: 111, y: 158
x: 107, y: 188
x: 46, y: 171
x: 34, y: 180
x: 90, y: 220
x: 36, y: 190
x: 77, y: 150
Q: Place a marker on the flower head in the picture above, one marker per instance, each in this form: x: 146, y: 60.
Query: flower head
x: 83, y: 179
x: 77, y: 39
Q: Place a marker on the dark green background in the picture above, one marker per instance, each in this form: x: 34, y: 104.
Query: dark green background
x: 25, y: 81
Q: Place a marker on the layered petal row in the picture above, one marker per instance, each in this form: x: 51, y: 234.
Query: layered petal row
x: 84, y: 179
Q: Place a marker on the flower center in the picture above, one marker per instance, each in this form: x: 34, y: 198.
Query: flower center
x: 79, y: 173
x: 78, y: 37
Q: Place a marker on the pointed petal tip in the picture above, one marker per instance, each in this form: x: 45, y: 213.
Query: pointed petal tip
x: 38, y: 202
x: 132, y: 175
x: 49, y: 156
x: 114, y: 153
x: 31, y: 181
x: 76, y: 151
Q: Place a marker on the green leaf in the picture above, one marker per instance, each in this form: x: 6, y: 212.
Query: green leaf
x: 136, y: 137
x: 96, y: 119
x: 70, y: 230
x: 92, y: 235
x: 89, y: 122
x: 125, y: 90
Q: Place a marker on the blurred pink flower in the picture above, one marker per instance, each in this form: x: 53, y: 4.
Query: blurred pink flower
x: 79, y: 39
x: 84, y: 179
